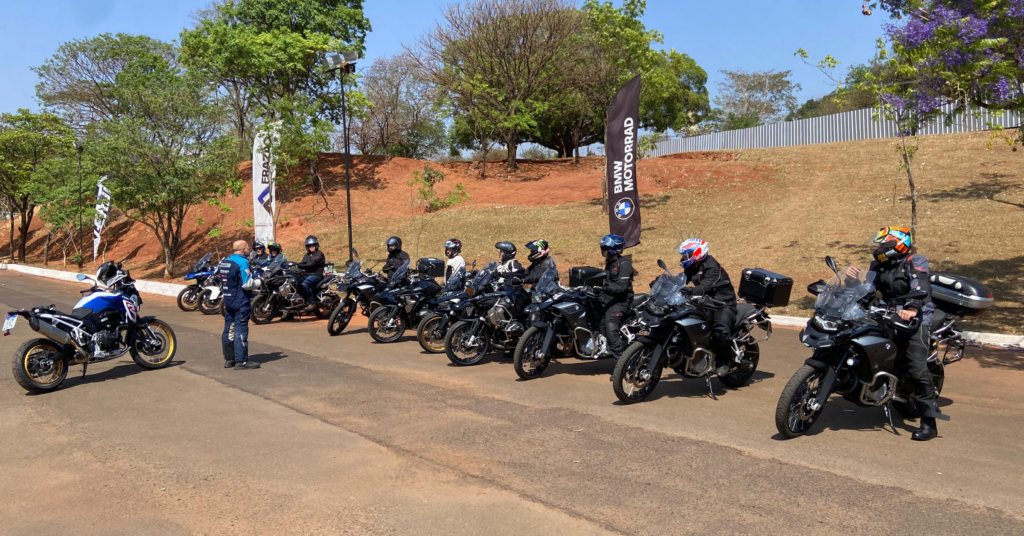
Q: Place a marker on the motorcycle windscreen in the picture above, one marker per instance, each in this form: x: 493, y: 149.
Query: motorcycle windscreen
x: 842, y: 295
x: 547, y: 285
x: 201, y: 263
x: 484, y: 276
x: 667, y: 289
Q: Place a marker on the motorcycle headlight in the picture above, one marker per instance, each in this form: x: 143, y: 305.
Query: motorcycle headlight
x: 656, y: 310
x: 828, y: 326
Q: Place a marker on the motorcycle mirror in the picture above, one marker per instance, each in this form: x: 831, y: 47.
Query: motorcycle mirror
x: 661, y: 264
x: 474, y: 266
x: 832, y: 264
x: 816, y: 288
x: 82, y: 277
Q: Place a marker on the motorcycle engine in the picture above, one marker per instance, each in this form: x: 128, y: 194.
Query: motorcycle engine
x: 499, y: 315
x: 105, y: 341
x: 287, y: 291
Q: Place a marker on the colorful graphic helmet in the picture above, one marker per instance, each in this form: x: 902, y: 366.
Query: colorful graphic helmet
x: 893, y: 243
x: 506, y: 250
x: 612, y: 245
x: 692, y: 251
x: 452, y: 248
x: 538, y: 250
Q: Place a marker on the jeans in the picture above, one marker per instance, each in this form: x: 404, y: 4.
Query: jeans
x: 309, y: 284
x: 235, y: 340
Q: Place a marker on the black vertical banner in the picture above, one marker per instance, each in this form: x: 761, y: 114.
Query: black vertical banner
x: 620, y: 150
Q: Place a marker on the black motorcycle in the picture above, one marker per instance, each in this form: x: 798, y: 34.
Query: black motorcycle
x: 433, y: 328
x: 852, y: 334
x: 562, y: 320
x: 354, y: 288
x: 281, y: 292
x: 674, y: 331
x: 495, y: 320
x: 404, y: 303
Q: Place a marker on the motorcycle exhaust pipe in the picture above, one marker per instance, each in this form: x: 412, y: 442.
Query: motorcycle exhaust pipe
x: 53, y: 333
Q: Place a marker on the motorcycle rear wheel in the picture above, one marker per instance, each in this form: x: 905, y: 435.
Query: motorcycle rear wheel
x: 455, y: 345
x: 262, y: 309
x: 151, y: 355
x: 27, y: 371
x: 380, y: 327
x: 524, y: 360
x: 627, y: 379
x: 425, y: 334
x: 793, y: 416
x: 340, y: 317
x: 188, y: 298
x: 740, y: 378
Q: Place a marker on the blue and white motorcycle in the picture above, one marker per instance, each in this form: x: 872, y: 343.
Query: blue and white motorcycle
x: 204, y: 291
x: 104, y: 325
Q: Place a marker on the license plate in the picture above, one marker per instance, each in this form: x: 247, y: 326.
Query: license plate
x: 9, y: 323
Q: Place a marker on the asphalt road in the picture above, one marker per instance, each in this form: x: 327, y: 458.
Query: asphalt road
x: 338, y: 435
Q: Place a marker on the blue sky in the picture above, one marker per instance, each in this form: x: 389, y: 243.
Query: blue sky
x: 719, y: 34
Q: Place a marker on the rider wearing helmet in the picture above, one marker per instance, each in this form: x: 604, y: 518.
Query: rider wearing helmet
x: 898, y: 272
x: 508, y: 266
x: 274, y: 251
x: 312, y: 265
x: 540, y: 261
x: 258, y: 255
x: 396, y: 257
x: 453, y: 250
x: 710, y: 279
x: 617, y: 291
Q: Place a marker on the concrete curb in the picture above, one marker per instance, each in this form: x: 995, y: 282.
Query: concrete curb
x: 172, y: 290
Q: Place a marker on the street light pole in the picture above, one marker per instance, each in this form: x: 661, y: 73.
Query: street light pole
x: 341, y: 64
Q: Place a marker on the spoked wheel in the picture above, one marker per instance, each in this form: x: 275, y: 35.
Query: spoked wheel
x: 465, y: 349
x: 154, y: 347
x: 911, y: 409
x: 526, y: 359
x: 188, y: 298
x: 431, y: 333
x: 262, y: 309
x: 210, y: 306
x: 631, y: 380
x: 797, y: 410
x: 746, y: 370
x: 386, y: 325
x: 340, y: 317
x: 37, y: 368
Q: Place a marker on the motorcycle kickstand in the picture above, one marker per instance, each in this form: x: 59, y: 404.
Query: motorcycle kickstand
x: 711, y: 390
x: 888, y: 415
x: 85, y: 367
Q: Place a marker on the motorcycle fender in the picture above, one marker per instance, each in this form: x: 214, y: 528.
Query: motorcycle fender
x: 879, y: 351
x: 549, y: 337
x: 214, y: 292
x: 539, y: 325
x: 646, y: 340
x: 659, y: 351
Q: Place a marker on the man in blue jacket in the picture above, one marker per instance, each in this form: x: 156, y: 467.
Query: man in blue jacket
x: 234, y: 274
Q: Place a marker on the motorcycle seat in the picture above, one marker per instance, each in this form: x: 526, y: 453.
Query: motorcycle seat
x: 938, y: 318
x: 743, y: 313
x: 636, y: 299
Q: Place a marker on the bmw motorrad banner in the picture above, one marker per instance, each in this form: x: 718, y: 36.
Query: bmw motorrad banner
x: 102, y: 210
x: 263, y: 174
x: 620, y: 150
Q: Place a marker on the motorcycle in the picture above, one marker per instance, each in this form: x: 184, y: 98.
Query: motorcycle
x: 354, y: 288
x: 494, y: 320
x: 103, y: 325
x: 565, y: 320
x: 433, y: 328
x: 674, y: 331
x: 204, y: 293
x: 401, y: 305
x: 280, y: 292
x: 855, y: 355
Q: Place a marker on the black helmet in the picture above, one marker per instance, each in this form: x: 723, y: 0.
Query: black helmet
x: 506, y: 250
x: 394, y: 244
x: 538, y: 250
x: 106, y: 272
x: 274, y: 246
x: 312, y: 241
x: 452, y: 248
x: 257, y: 245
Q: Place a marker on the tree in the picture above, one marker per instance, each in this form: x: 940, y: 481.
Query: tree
x: 849, y: 94
x: 768, y: 95
x: 27, y: 142
x: 502, y: 59
x: 269, y: 51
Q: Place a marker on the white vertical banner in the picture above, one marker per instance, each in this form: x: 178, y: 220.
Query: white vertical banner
x: 263, y: 174
x: 102, y: 209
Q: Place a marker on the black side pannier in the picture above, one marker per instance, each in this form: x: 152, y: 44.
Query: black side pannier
x: 589, y: 276
x: 430, y: 267
x: 960, y: 296
x: 761, y: 287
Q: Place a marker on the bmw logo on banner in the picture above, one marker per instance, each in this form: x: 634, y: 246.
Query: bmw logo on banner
x: 624, y: 209
x: 621, y: 150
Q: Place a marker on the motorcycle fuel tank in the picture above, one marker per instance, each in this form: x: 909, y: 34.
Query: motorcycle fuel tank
x: 880, y: 352
x: 573, y: 312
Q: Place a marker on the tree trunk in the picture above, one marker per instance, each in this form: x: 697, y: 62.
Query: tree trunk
x: 26, y: 222
x: 169, y: 256
x: 576, y: 156
x: 11, y: 214
x: 907, y: 161
x: 513, y: 147
x: 46, y: 250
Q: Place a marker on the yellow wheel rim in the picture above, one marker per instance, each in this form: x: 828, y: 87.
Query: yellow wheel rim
x: 428, y: 339
x: 168, y: 345
x: 47, y: 378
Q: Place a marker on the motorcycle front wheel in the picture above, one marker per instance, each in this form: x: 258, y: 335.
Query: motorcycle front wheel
x: 796, y: 414
x: 386, y: 325
x: 340, y: 317
x: 154, y: 350
x: 209, y: 306
x: 36, y: 367
x: 460, y: 350
x: 262, y: 309
x: 430, y: 333
x: 525, y: 360
x: 631, y: 380
x: 188, y: 298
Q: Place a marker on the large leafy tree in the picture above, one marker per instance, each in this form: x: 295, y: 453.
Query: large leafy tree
x: 28, y: 142
x: 769, y: 96
x: 161, y: 132
x: 266, y: 54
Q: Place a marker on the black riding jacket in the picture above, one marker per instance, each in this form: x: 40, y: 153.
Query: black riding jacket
x: 901, y: 277
x: 537, y: 269
x: 395, y: 261
x: 705, y: 275
x: 313, y: 263
x: 618, y: 280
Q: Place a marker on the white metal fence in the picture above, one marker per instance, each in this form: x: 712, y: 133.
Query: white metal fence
x: 847, y: 126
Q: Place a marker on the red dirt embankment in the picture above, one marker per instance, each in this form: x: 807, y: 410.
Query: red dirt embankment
x: 381, y: 191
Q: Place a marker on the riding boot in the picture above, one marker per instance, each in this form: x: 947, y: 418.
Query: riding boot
x: 927, y: 430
